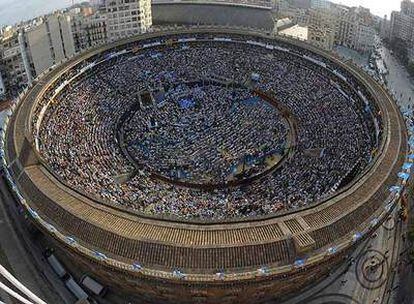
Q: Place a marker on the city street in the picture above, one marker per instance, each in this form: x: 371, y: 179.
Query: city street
x: 367, y: 276
x: 24, y: 255
x: 398, y: 79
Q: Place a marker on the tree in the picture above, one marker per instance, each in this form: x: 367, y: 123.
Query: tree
x: 410, y: 68
x: 411, y: 234
x: 399, y: 46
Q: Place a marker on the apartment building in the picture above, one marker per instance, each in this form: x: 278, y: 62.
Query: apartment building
x: 16, y: 70
x: 321, y: 29
x: 31, y: 48
x: 127, y: 17
x: 320, y: 4
x: 332, y: 24
x: 354, y: 28
x: 402, y: 27
x: 365, y: 38
x: 49, y: 41
x: 88, y: 29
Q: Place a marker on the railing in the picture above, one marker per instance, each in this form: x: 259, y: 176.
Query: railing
x: 32, y: 298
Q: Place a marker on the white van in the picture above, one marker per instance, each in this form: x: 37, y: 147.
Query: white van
x: 93, y: 286
x: 56, y: 266
x: 79, y: 293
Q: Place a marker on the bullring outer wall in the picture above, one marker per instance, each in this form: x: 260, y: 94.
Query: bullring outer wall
x: 199, y: 250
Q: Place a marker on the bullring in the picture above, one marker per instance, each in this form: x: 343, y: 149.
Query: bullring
x: 255, y: 250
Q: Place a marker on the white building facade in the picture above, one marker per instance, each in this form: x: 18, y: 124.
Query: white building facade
x: 49, y: 41
x: 15, y: 68
x: 90, y: 30
x: 127, y: 17
x: 402, y: 27
x: 365, y: 38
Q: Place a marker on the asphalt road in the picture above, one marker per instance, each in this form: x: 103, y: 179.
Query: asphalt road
x: 355, y: 282
x: 399, y: 81
x: 24, y: 256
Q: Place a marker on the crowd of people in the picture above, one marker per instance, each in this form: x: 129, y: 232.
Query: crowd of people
x: 206, y: 133
x: 336, y: 135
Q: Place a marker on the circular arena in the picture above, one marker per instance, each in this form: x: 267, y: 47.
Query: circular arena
x: 206, y: 165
